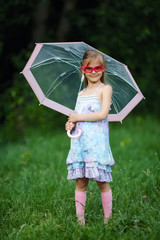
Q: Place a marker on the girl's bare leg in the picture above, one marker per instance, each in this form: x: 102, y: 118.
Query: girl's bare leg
x: 103, y: 186
x: 81, y: 184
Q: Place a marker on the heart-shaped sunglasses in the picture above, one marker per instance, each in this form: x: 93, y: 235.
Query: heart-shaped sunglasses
x: 88, y: 69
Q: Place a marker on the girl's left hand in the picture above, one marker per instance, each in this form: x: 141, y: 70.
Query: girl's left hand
x: 73, y: 117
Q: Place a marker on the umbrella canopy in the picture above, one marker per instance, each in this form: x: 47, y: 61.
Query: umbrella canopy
x: 53, y: 72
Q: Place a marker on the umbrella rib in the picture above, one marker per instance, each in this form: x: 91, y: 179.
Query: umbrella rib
x: 53, y: 84
x: 63, y: 60
x: 114, y: 100
x: 50, y: 88
x: 45, y: 63
x: 70, y: 52
x: 74, y: 56
x: 49, y: 92
x: 114, y: 104
x: 69, y: 63
x: 123, y: 80
x: 55, y: 59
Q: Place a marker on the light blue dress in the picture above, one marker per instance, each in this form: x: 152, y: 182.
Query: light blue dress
x: 90, y: 155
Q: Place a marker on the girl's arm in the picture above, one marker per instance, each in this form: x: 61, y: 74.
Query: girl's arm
x: 96, y: 116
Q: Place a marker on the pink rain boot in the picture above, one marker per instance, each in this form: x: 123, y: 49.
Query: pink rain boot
x: 80, y: 199
x: 107, y: 204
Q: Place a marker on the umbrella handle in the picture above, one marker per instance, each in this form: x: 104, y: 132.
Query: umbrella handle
x: 74, y: 136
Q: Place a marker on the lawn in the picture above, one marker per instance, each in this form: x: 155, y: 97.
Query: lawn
x: 37, y: 202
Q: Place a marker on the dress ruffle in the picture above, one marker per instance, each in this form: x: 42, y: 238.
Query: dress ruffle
x: 92, y: 173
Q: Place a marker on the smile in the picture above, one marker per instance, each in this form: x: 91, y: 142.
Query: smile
x: 94, y: 76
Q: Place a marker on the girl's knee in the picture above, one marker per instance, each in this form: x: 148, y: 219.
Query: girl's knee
x: 81, y: 184
x: 103, y: 186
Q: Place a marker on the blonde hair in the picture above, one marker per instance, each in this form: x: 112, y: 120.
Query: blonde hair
x: 87, y: 58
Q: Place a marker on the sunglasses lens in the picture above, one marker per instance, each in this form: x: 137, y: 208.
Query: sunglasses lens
x: 98, y: 68
x: 88, y: 69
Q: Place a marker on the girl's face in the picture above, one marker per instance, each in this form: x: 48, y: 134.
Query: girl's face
x: 93, y: 77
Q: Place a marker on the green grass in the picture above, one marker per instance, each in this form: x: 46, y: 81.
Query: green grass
x: 37, y: 202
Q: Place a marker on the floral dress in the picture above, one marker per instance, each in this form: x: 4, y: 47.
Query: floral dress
x: 90, y: 155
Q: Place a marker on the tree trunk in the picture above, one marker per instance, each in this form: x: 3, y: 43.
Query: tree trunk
x: 40, y: 16
x: 64, y: 24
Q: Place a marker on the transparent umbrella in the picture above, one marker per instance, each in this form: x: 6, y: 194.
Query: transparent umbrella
x: 53, y: 72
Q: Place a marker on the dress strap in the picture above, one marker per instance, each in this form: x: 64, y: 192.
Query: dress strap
x: 98, y: 88
x: 79, y: 94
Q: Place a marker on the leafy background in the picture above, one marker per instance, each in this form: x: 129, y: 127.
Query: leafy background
x: 126, y: 30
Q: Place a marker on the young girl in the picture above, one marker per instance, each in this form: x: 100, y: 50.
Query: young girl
x: 90, y: 156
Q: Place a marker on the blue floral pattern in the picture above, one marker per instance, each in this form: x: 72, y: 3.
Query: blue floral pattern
x: 90, y: 155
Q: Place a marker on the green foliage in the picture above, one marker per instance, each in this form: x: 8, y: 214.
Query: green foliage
x: 126, y: 30
x: 21, y: 110
x: 37, y: 202
x: 129, y: 32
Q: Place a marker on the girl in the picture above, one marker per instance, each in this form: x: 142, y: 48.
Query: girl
x: 90, y: 156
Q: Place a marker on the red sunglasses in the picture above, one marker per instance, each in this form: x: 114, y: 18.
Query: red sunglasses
x: 87, y: 69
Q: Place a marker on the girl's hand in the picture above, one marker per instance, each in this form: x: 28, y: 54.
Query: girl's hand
x: 73, y: 117
x: 69, y: 126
